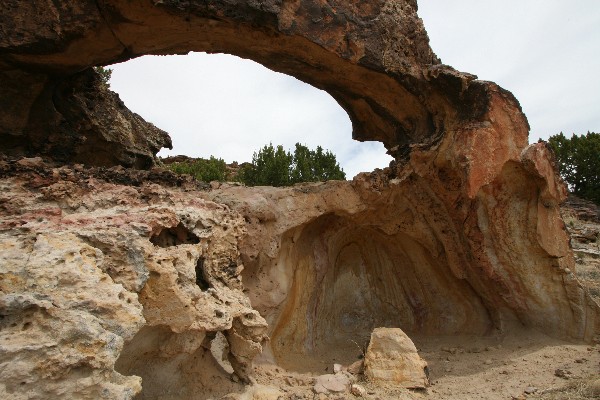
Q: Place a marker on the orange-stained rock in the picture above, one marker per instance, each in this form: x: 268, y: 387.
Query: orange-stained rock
x: 110, y: 274
x: 325, y: 263
x: 372, y: 57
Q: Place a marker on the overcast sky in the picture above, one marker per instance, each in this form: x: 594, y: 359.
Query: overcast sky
x: 547, y: 52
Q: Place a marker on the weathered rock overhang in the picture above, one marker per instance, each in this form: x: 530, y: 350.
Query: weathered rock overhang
x: 374, y: 59
x: 327, y: 263
x: 461, y: 234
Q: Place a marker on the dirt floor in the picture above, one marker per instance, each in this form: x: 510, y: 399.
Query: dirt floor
x: 471, y: 368
x: 524, y: 365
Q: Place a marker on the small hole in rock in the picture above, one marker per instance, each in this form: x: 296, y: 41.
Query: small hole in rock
x: 154, y: 274
x: 219, y: 314
x: 200, y: 275
x: 174, y: 236
x: 26, y: 326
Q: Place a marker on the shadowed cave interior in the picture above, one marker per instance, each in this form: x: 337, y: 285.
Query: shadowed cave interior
x: 344, y: 278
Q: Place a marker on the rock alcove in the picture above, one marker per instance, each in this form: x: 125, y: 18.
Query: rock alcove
x: 350, y: 277
x: 462, y: 234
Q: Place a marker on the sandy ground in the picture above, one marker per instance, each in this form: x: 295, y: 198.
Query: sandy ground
x: 468, y: 368
x: 524, y: 365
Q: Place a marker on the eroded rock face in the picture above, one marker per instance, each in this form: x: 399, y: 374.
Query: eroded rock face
x: 75, y: 119
x: 101, y: 282
x: 150, y: 272
x: 412, y: 248
x: 460, y: 235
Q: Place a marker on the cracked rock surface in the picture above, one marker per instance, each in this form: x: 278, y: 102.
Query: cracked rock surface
x: 110, y: 274
x: 88, y: 300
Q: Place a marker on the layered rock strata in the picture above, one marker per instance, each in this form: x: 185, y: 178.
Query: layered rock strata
x: 101, y: 283
x: 327, y: 263
x: 109, y: 274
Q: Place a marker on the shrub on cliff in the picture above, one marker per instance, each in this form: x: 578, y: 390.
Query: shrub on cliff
x: 579, y: 163
x: 273, y: 166
x: 105, y: 75
x: 213, y: 169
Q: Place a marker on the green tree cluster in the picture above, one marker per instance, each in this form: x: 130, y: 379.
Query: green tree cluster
x: 213, y: 169
x: 105, y: 75
x: 273, y: 166
x: 579, y: 163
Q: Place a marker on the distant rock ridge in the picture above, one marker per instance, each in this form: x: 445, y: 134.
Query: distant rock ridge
x: 584, y: 209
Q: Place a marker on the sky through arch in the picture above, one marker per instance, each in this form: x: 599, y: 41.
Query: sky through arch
x: 229, y: 107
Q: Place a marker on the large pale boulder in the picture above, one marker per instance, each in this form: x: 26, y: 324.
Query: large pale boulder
x: 392, y: 357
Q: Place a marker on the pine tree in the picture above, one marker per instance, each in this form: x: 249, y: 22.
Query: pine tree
x: 579, y: 163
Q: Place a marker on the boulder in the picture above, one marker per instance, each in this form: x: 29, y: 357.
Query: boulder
x: 392, y: 358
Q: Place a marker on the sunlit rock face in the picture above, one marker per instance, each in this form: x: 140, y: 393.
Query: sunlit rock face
x: 108, y: 277
x: 112, y: 275
x: 325, y: 264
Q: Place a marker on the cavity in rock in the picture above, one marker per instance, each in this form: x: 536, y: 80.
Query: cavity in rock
x: 200, y: 275
x: 174, y: 236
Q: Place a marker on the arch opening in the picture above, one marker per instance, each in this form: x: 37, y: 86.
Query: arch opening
x: 376, y: 82
x: 224, y: 106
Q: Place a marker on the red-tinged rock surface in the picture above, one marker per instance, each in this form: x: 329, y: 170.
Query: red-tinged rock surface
x: 102, y: 282
x: 109, y: 274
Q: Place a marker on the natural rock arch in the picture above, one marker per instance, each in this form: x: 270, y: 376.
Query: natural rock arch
x: 456, y: 134
x: 374, y: 59
x: 464, y: 187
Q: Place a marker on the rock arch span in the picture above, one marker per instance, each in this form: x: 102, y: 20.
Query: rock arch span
x: 374, y: 59
x: 467, y: 203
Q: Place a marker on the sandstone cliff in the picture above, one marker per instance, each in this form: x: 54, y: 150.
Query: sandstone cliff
x: 326, y: 263
x: 109, y: 275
